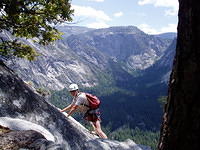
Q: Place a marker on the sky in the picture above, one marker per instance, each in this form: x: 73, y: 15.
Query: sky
x: 151, y: 16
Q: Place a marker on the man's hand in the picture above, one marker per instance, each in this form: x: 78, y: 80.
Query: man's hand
x: 66, y: 108
x: 62, y: 110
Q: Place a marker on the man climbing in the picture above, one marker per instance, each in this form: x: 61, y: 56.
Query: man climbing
x: 81, y: 102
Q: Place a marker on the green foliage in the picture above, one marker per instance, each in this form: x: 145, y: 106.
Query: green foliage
x: 43, y: 91
x: 162, y: 100
x: 40, y: 90
x: 139, y: 136
x: 60, y: 98
x: 31, y: 19
x: 15, y: 48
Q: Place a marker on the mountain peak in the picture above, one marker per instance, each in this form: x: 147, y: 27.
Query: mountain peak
x: 118, y: 30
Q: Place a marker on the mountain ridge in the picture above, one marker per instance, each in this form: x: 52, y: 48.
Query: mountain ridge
x: 82, y: 57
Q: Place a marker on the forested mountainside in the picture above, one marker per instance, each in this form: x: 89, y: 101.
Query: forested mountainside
x: 139, y: 105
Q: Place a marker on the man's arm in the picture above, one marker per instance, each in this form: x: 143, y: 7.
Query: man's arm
x: 67, y: 108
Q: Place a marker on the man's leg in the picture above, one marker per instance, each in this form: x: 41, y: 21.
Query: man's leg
x: 94, y: 129
x: 98, y: 130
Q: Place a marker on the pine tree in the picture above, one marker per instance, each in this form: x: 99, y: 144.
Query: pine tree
x: 31, y: 19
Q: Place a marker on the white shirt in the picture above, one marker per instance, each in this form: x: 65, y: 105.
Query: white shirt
x: 81, y: 100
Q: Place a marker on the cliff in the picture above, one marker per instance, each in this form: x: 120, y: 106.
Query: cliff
x: 23, y: 109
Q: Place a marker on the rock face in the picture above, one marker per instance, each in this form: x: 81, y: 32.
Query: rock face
x: 29, y: 139
x: 18, y: 101
x: 181, y: 125
x: 161, y: 70
x: 129, y: 45
x: 87, y: 56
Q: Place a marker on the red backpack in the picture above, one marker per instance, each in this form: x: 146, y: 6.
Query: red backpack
x: 94, y: 101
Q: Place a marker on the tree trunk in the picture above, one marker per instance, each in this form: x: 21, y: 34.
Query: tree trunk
x: 181, y: 122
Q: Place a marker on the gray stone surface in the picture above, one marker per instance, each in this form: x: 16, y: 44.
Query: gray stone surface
x: 18, y: 101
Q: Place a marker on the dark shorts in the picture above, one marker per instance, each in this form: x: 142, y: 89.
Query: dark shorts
x: 92, y: 115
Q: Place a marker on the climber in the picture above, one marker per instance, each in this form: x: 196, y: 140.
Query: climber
x: 81, y: 102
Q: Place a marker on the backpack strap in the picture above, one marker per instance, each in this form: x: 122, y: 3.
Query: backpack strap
x: 87, y: 100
